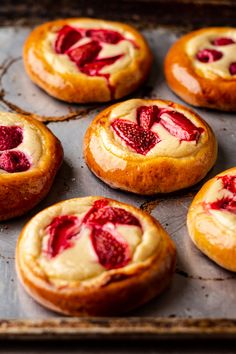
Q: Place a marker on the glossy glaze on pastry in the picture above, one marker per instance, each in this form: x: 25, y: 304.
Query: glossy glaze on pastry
x: 30, y: 156
x: 212, y: 219
x: 201, y: 68
x: 94, y: 256
x: 87, y: 60
x: 149, y: 146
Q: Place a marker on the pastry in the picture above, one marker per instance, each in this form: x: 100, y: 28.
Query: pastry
x: 212, y: 219
x: 201, y: 68
x: 94, y: 256
x: 87, y: 60
x: 30, y: 156
x: 149, y: 146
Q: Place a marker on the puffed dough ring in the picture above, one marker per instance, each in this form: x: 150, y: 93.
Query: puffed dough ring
x: 94, y: 256
x: 87, y: 60
x: 201, y: 68
x: 30, y: 156
x: 149, y: 146
x: 212, y: 219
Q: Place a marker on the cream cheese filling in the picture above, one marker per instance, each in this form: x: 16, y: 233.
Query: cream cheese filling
x: 169, y: 146
x: 80, y: 262
x: 219, y: 68
x: 31, y: 144
x: 63, y: 64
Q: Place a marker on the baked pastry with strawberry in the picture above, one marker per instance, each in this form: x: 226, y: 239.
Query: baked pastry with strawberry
x: 201, y: 68
x: 30, y: 156
x: 87, y: 60
x: 94, y: 256
x: 149, y: 146
x: 212, y: 219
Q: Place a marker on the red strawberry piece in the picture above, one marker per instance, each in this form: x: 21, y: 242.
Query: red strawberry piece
x: 222, y: 41
x: 209, y: 55
x: 10, y: 137
x: 100, y: 203
x: 139, y: 139
x: 66, y: 38
x: 229, y: 183
x: 228, y: 204
x: 112, y: 215
x: 94, y: 67
x: 85, y: 53
x: 14, y: 161
x: 232, y: 206
x: 146, y: 116
x: 232, y: 68
x: 179, y: 126
x: 106, y: 36
x: 111, y: 253
x: 61, y: 230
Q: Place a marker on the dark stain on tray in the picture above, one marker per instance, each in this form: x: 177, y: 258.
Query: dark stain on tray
x: 73, y: 114
x: 6, y: 257
x: 149, y: 205
x: 189, y: 276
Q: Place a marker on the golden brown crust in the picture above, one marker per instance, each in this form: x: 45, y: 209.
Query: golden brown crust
x: 82, y: 88
x: 213, y: 241
x: 151, y: 175
x: 197, y: 90
x: 115, y: 293
x: 20, y: 192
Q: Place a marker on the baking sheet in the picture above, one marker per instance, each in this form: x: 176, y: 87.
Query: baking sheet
x: 199, y: 287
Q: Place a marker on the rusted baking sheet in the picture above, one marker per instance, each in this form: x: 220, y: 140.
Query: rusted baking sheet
x: 130, y: 328
x: 199, y: 289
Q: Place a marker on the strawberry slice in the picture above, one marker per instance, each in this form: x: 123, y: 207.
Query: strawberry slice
x: 62, y: 230
x: 14, y: 161
x: 146, y: 116
x: 93, y: 69
x: 112, y: 215
x: 85, y: 53
x: 139, y: 139
x: 179, y: 126
x: 10, y: 137
x: 111, y: 253
x: 222, y: 41
x: 209, y: 55
x: 232, y: 206
x: 106, y: 36
x: 100, y: 203
x: 232, y: 68
x: 229, y: 183
x: 67, y: 37
x: 228, y: 204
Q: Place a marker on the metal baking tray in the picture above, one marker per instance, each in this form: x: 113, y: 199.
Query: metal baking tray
x: 201, y: 298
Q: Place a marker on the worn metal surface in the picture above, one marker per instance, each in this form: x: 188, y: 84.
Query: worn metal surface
x: 199, y: 288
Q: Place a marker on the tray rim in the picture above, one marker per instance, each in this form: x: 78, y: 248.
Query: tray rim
x: 155, y: 328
